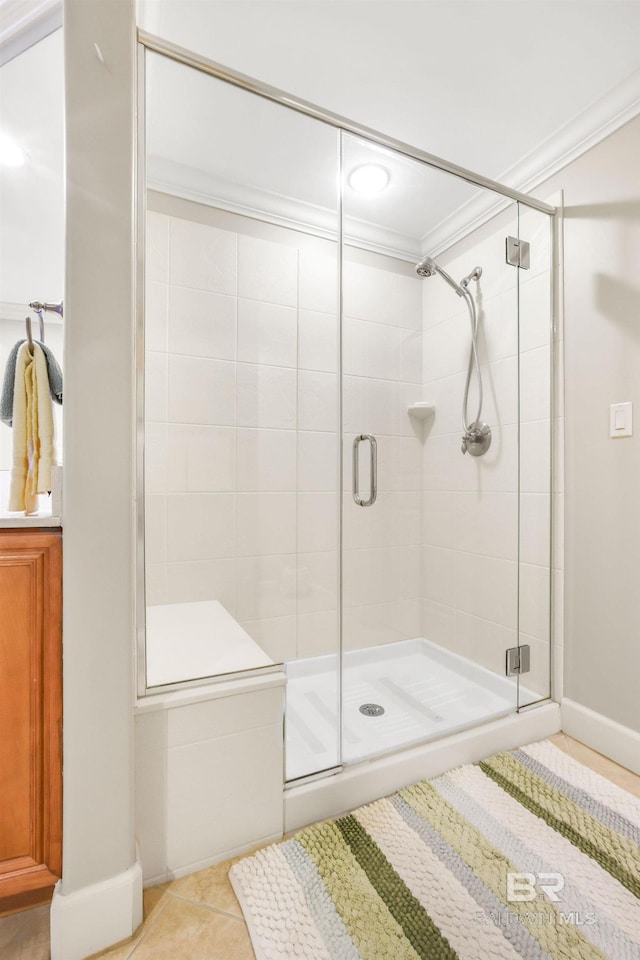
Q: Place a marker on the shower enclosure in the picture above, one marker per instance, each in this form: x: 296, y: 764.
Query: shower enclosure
x: 323, y: 484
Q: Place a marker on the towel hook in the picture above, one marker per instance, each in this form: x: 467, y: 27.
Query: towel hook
x: 38, y: 305
x: 41, y: 319
x: 27, y: 321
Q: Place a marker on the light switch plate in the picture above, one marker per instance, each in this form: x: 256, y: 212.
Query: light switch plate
x: 621, y: 420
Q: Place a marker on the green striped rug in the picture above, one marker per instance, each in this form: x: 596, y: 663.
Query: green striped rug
x: 528, y: 854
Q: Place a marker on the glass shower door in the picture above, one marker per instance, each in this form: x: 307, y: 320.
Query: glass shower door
x: 538, y: 565
x: 430, y: 534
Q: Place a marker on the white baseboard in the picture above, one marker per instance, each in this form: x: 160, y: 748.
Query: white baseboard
x: 95, y: 917
x: 364, y: 782
x: 190, y: 868
x: 614, y: 740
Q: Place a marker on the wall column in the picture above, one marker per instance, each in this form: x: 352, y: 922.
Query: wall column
x: 99, y: 899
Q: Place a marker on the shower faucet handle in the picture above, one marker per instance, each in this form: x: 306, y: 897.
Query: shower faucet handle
x: 476, y: 439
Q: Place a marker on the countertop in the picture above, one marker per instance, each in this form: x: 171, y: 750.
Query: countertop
x: 18, y: 520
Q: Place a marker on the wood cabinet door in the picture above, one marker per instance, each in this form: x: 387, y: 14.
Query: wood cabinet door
x: 30, y: 716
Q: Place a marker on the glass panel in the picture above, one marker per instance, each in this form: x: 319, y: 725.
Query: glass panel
x: 536, y: 348
x: 430, y: 578
x: 241, y: 419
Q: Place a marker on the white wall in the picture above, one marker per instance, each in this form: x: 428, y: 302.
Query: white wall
x: 32, y: 196
x: 32, y: 204
x: 602, y: 344
x: 99, y: 898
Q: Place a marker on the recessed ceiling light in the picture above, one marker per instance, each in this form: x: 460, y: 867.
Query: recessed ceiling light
x: 369, y: 179
x: 11, y: 155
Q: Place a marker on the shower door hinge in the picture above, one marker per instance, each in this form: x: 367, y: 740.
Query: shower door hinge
x: 518, y: 253
x: 518, y: 660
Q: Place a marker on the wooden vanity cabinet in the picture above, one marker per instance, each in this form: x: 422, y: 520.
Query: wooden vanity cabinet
x: 30, y: 716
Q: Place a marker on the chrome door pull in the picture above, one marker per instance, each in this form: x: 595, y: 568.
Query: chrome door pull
x: 373, y: 493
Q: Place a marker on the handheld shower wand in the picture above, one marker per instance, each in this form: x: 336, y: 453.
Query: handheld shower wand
x: 476, y: 437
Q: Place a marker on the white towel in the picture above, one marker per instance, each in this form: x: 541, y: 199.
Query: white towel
x: 33, y: 431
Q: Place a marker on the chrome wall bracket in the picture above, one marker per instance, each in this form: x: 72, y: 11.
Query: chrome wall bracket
x: 518, y: 253
x: 518, y: 660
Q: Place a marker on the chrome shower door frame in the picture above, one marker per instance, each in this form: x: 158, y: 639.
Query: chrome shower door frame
x: 149, y: 42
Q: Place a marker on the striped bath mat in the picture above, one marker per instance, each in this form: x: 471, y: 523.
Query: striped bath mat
x: 526, y: 855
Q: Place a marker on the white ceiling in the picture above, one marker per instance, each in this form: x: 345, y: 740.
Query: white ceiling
x: 210, y: 141
x: 511, y: 90
x: 504, y: 88
x: 479, y: 82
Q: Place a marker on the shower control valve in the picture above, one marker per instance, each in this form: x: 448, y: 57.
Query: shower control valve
x: 476, y: 440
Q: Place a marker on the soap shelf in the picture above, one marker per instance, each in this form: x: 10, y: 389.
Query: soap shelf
x: 421, y: 410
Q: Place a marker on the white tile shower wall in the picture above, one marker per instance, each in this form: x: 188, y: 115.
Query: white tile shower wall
x: 221, y: 411
x: 470, y: 507
x: 242, y: 432
x: 198, y: 766
x: 382, y: 363
x: 241, y: 407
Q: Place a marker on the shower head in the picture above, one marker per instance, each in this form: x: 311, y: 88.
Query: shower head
x: 428, y: 268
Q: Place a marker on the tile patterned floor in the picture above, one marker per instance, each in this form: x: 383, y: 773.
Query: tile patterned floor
x: 198, y: 917
x: 25, y: 936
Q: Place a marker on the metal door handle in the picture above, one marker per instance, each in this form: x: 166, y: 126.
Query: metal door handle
x: 373, y: 493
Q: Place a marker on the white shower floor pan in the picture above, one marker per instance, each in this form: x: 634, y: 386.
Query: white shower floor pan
x: 424, y: 690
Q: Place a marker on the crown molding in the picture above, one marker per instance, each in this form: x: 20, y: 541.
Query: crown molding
x: 587, y: 128
x: 575, y: 138
x: 280, y: 210
x: 25, y: 22
x: 194, y: 184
